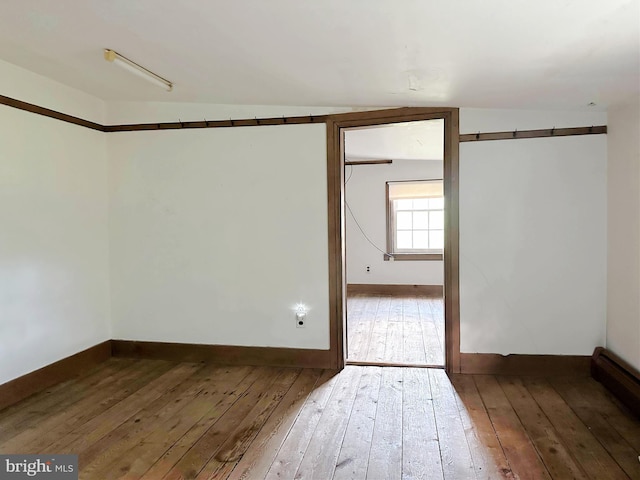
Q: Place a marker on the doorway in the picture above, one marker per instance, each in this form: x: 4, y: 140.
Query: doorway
x: 336, y: 128
x: 394, y: 231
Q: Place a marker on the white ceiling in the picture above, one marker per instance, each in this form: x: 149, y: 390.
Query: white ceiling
x: 422, y: 140
x: 558, y: 54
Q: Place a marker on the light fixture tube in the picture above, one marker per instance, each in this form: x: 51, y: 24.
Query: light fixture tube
x: 133, y: 67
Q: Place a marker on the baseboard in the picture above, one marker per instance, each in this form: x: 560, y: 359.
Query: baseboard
x: 547, y: 365
x: 60, y: 371
x: 381, y: 289
x: 224, y: 354
x: 618, y: 376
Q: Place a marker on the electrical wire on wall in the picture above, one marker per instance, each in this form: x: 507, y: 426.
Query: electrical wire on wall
x: 387, y: 254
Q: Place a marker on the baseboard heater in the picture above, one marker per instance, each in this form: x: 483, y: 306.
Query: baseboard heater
x: 618, y: 376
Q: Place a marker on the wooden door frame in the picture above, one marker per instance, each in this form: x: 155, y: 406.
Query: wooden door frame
x: 336, y: 216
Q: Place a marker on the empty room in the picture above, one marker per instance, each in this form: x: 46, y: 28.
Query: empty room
x: 319, y: 240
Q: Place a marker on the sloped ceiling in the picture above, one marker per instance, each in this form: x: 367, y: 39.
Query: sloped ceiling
x: 493, y: 53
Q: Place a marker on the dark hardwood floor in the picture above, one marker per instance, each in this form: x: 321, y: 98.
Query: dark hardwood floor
x: 395, y: 329
x: 152, y: 419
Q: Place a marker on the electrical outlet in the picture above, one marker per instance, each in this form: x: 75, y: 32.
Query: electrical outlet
x: 301, y: 318
x: 368, y: 268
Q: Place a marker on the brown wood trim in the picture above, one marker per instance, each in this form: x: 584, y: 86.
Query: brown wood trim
x: 47, y: 112
x: 390, y: 364
x: 244, y: 122
x: 368, y: 162
x: 548, y: 132
x: 223, y: 354
x: 452, y: 241
x: 400, y: 257
x: 335, y: 168
x: 622, y: 379
x: 60, y: 371
x: 386, y: 289
x: 546, y: 365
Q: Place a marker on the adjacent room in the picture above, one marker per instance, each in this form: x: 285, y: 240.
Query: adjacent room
x: 320, y: 240
x: 394, y: 244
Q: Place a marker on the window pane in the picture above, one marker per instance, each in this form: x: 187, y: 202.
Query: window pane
x: 436, y: 220
x: 421, y: 220
x: 403, y: 221
x: 436, y: 203
x: 420, y: 239
x: 436, y: 239
x: 404, y: 204
x: 420, y: 203
x: 403, y: 240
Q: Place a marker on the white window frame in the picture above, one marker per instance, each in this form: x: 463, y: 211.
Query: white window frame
x: 413, y: 253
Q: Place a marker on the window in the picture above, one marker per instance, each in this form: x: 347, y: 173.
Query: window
x: 415, y: 220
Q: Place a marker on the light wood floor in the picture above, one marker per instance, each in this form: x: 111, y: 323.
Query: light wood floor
x: 154, y: 419
x: 397, y: 330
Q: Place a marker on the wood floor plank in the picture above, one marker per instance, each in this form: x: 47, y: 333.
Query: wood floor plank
x: 420, y: 446
x: 119, y: 412
x: 353, y: 459
x: 593, y: 458
x: 596, y: 421
x: 181, y: 420
x: 320, y: 457
x: 187, y: 431
x: 394, y: 343
x: 101, y: 397
x: 255, y: 463
x: 132, y: 456
x: 486, y: 452
x: 377, y: 343
x: 433, y: 345
x: 290, y: 454
x: 520, y: 452
x: 359, y: 338
x: 101, y: 458
x: 616, y: 414
x: 40, y: 406
x: 385, y: 456
x: 236, y: 445
x: 190, y: 465
x: 454, y: 449
x: 414, y: 348
x: 544, y: 437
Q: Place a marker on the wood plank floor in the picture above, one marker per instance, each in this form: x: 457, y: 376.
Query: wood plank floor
x: 405, y: 330
x: 151, y: 419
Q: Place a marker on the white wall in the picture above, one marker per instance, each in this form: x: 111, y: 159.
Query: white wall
x: 54, y: 289
x: 217, y: 234
x: 366, y: 195
x: 623, y: 305
x: 21, y: 84
x: 533, y: 240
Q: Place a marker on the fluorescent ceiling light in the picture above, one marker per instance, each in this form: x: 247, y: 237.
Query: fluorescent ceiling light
x: 133, y: 67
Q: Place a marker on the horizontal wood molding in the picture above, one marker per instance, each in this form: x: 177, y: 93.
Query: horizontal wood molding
x: 60, y: 371
x: 47, y: 112
x: 381, y: 289
x: 618, y: 376
x: 223, y: 354
x: 382, y: 115
x: 547, y: 365
x: 549, y: 132
x: 368, y: 162
x: 400, y: 257
x: 244, y: 122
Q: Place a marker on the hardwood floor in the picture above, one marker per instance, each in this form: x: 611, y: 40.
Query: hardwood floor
x: 396, y: 330
x: 151, y: 419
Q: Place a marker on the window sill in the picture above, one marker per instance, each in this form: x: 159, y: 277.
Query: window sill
x: 398, y: 257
